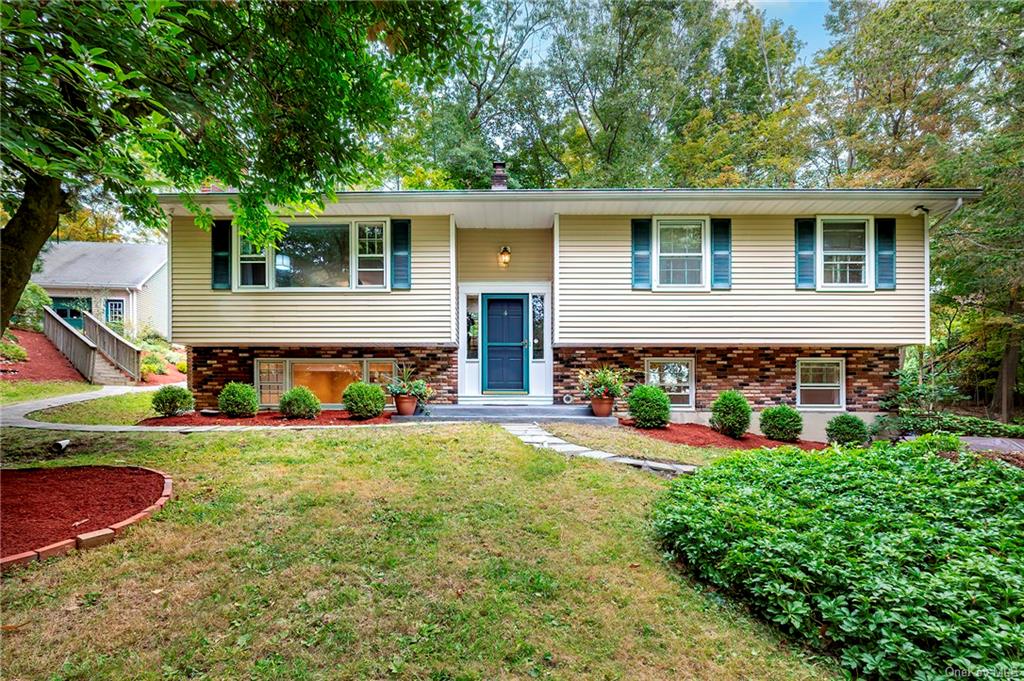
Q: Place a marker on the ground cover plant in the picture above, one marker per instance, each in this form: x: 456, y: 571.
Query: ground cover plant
x: 441, y: 552
x: 929, y: 422
x: 902, y: 562
x: 25, y: 391
x: 119, y: 410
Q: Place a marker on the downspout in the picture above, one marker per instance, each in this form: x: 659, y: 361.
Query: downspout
x: 957, y: 207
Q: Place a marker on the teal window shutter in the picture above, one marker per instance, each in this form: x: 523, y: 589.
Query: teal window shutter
x: 805, y: 252
x: 721, y: 253
x: 401, y: 254
x: 885, y: 253
x: 220, y: 246
x: 642, y: 253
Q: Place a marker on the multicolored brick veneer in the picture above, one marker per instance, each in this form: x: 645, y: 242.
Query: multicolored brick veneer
x: 211, y: 368
x: 766, y: 376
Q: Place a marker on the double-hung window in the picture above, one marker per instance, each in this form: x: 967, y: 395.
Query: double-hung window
x: 820, y: 383
x: 681, y: 248
x: 846, y: 254
x: 675, y: 377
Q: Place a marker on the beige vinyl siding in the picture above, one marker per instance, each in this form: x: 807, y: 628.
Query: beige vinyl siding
x: 595, y: 302
x: 419, y: 316
x: 531, y: 254
x: 153, y: 302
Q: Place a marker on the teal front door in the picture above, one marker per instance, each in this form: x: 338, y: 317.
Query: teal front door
x: 505, y: 336
x: 70, y: 310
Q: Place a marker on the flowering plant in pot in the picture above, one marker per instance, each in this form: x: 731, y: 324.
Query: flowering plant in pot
x: 601, y: 386
x: 409, y: 392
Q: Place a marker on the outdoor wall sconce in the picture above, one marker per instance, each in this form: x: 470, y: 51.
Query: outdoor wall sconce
x: 504, y: 256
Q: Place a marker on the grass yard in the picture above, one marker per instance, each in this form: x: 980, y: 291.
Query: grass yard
x: 630, y: 443
x: 437, y: 552
x: 122, y: 410
x: 25, y: 391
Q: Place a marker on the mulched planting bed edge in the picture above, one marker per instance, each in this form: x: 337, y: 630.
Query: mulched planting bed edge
x: 697, y: 435
x: 328, y: 417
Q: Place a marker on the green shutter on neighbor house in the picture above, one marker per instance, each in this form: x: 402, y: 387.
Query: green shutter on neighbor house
x: 721, y: 253
x: 805, y: 252
x: 642, y: 253
x: 885, y: 253
x: 401, y: 254
x: 220, y: 242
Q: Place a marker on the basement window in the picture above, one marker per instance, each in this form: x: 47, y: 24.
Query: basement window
x: 675, y: 377
x: 326, y: 378
x: 820, y: 383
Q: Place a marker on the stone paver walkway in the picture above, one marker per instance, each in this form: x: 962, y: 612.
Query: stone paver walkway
x: 535, y: 436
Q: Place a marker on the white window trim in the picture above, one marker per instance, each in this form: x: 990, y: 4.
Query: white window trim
x: 288, y: 361
x: 869, y: 255
x: 693, y: 378
x: 124, y: 309
x: 705, y: 265
x: 842, y: 384
x: 353, y: 235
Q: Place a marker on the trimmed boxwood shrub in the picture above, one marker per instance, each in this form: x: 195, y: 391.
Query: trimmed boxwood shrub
x: 890, y: 558
x: 300, y: 403
x: 730, y: 414
x: 847, y: 429
x: 783, y: 423
x: 649, y: 406
x: 238, y: 399
x: 363, y: 400
x: 173, y: 400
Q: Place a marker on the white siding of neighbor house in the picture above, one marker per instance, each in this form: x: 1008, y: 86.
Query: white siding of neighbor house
x: 153, y: 303
x: 99, y: 297
x: 531, y: 249
x: 596, y: 304
x: 420, y: 316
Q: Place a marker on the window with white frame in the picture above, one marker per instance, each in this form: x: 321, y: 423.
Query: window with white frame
x: 820, y: 383
x: 318, y: 256
x: 674, y: 376
x: 326, y: 378
x: 681, y: 252
x: 845, y: 254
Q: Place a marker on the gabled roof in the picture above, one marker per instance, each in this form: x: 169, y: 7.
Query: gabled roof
x: 86, y: 264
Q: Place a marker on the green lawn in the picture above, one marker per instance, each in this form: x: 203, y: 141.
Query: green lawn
x: 437, y: 553
x: 124, y: 410
x: 24, y: 391
x: 631, y: 443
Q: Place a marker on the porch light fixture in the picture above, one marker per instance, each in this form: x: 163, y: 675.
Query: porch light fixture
x: 504, y: 256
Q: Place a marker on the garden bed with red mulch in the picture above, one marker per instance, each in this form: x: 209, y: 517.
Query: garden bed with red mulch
x: 42, y: 506
x: 696, y: 435
x: 172, y: 376
x: 45, y: 363
x: 328, y: 417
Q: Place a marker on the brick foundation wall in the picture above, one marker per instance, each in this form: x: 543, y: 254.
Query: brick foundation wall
x: 211, y: 368
x: 766, y: 376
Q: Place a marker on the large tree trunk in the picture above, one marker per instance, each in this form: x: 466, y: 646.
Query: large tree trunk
x: 23, y: 237
x: 1006, y: 385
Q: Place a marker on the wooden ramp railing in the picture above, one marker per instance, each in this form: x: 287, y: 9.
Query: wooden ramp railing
x: 72, y: 344
x: 124, y: 355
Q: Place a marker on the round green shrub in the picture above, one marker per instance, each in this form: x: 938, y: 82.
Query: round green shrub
x: 649, y: 406
x: 300, y: 403
x: 363, y: 400
x: 182, y: 366
x: 173, y: 400
x: 730, y: 414
x: 238, y: 399
x: 847, y: 429
x: 782, y: 423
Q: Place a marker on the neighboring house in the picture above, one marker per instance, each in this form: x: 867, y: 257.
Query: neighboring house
x: 802, y: 297
x: 116, y: 282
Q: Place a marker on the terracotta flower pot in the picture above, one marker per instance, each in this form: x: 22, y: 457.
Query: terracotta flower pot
x: 602, y: 406
x: 405, y: 405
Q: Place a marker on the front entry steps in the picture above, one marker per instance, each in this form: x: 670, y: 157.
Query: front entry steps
x: 511, y: 414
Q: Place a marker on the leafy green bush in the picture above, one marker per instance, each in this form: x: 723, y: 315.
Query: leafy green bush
x: 300, y: 403
x: 847, y: 429
x: 901, y: 562
x: 173, y: 400
x: 906, y: 423
x: 182, y: 366
x: 28, y: 313
x: 603, y: 382
x: 649, y: 406
x: 151, y: 364
x: 12, y: 352
x: 730, y: 414
x: 363, y: 400
x: 782, y: 423
x: 238, y: 399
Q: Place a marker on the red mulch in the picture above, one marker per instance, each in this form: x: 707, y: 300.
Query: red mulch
x: 328, y: 417
x: 45, y: 363
x: 696, y: 435
x: 172, y: 376
x: 40, y: 506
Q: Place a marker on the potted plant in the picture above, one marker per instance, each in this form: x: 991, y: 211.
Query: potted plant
x: 602, y: 386
x: 409, y: 392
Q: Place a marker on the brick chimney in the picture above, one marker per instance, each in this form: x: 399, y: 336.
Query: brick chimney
x: 499, y: 180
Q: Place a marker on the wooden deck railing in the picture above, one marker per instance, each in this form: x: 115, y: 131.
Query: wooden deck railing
x: 72, y: 344
x: 123, y: 354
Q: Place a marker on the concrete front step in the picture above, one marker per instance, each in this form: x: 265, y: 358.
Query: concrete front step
x: 510, y: 414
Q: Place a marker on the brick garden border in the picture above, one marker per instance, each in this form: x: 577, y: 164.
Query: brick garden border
x: 89, y: 540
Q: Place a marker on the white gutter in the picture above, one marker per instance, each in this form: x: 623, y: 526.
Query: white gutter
x: 958, y: 206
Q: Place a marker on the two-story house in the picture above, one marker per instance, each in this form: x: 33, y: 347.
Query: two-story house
x: 800, y: 297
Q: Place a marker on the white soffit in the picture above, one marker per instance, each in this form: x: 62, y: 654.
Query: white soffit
x: 535, y: 208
